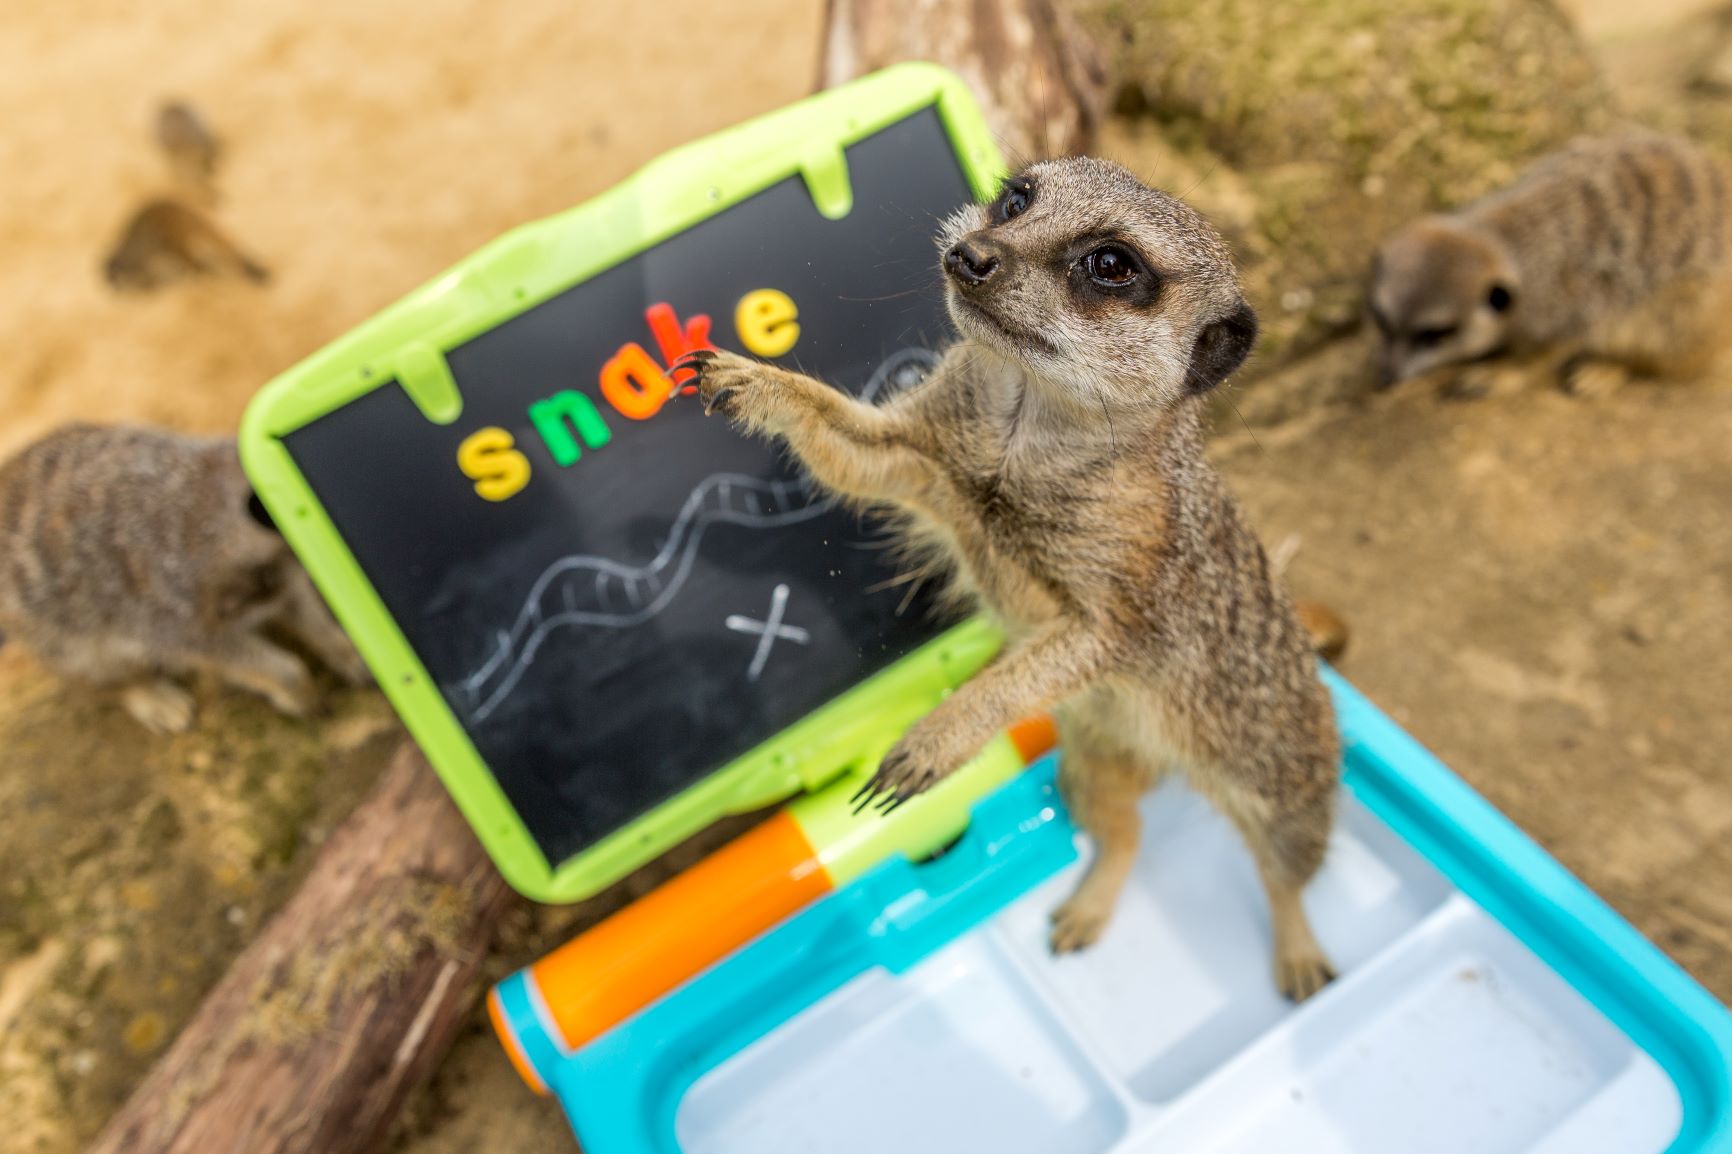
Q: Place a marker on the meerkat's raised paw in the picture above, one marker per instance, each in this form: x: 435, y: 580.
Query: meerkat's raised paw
x: 160, y: 706
x: 722, y: 379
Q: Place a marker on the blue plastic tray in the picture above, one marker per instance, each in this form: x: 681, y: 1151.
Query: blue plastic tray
x: 1489, y: 1002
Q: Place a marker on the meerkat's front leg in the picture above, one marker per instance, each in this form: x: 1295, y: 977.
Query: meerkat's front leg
x: 851, y: 448
x: 1505, y: 375
x: 1029, y: 677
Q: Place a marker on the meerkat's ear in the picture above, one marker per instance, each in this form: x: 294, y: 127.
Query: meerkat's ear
x: 257, y: 511
x: 1221, y: 348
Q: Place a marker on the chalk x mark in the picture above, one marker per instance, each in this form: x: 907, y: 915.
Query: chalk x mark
x: 770, y: 630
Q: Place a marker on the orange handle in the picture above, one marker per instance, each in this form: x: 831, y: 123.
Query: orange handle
x: 671, y: 934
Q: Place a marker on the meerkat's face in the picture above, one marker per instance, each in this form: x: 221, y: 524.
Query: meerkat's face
x: 1440, y: 295
x: 1108, y: 290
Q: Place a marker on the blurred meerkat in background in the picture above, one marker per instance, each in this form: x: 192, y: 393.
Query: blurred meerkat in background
x: 167, y: 240
x: 130, y: 556
x: 170, y: 238
x: 1608, y: 258
x: 192, y: 149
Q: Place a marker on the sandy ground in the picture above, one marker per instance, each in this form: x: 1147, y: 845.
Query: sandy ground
x: 368, y: 146
x: 1539, y: 587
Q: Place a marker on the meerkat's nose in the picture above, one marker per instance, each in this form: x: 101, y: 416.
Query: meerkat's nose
x: 970, y: 263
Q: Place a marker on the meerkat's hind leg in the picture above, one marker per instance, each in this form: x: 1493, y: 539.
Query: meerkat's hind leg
x: 1101, y: 793
x: 159, y: 705
x: 1288, y: 844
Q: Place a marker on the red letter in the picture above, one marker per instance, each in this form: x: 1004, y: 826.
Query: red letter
x: 674, y: 341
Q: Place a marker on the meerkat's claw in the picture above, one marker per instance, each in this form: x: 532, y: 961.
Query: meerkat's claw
x: 1301, y: 976
x: 717, y: 400
x: 694, y: 362
x: 898, y: 781
x: 1077, y: 924
x: 866, y: 795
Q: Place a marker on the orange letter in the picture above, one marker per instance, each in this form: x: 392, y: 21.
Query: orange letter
x: 634, y: 384
x: 489, y: 458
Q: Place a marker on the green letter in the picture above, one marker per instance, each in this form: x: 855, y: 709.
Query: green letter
x: 550, y: 416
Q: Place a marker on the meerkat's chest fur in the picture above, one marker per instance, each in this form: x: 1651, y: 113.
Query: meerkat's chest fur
x: 1052, y: 520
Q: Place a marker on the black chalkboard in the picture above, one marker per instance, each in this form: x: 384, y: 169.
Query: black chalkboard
x: 601, y: 635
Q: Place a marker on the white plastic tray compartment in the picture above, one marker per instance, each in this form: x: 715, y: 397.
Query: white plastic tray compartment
x: 956, y: 1055
x: 1181, y: 981
x: 1460, y: 1041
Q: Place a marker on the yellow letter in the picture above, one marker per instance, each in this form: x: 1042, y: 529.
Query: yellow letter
x: 488, y: 457
x: 765, y: 321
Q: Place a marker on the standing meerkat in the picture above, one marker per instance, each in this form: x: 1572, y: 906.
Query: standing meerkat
x: 1608, y: 257
x: 131, y: 555
x: 1053, y: 463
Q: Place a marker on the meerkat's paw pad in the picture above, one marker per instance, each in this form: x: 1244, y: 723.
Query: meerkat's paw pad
x: 1302, y: 975
x: 1078, y: 924
x: 159, y: 706
x: 1594, y: 379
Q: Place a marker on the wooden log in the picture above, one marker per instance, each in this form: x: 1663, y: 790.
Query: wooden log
x: 1038, y: 76
x: 344, y: 1003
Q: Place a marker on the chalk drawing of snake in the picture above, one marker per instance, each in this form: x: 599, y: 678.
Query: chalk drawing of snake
x: 582, y: 590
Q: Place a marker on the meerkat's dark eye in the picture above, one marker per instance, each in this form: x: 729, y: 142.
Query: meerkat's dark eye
x: 1014, y: 200
x: 1499, y: 298
x: 1111, y: 266
x: 1429, y: 338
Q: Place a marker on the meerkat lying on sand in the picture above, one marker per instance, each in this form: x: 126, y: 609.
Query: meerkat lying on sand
x: 1608, y: 258
x: 130, y: 555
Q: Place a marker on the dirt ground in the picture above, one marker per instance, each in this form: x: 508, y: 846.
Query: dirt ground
x: 1540, y: 587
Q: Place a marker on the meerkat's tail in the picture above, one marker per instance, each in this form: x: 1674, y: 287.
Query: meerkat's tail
x: 1326, y: 628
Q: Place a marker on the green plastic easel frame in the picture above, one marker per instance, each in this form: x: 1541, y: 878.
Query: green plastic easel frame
x: 405, y: 345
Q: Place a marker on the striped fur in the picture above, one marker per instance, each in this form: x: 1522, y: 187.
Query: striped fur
x: 1614, y: 249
